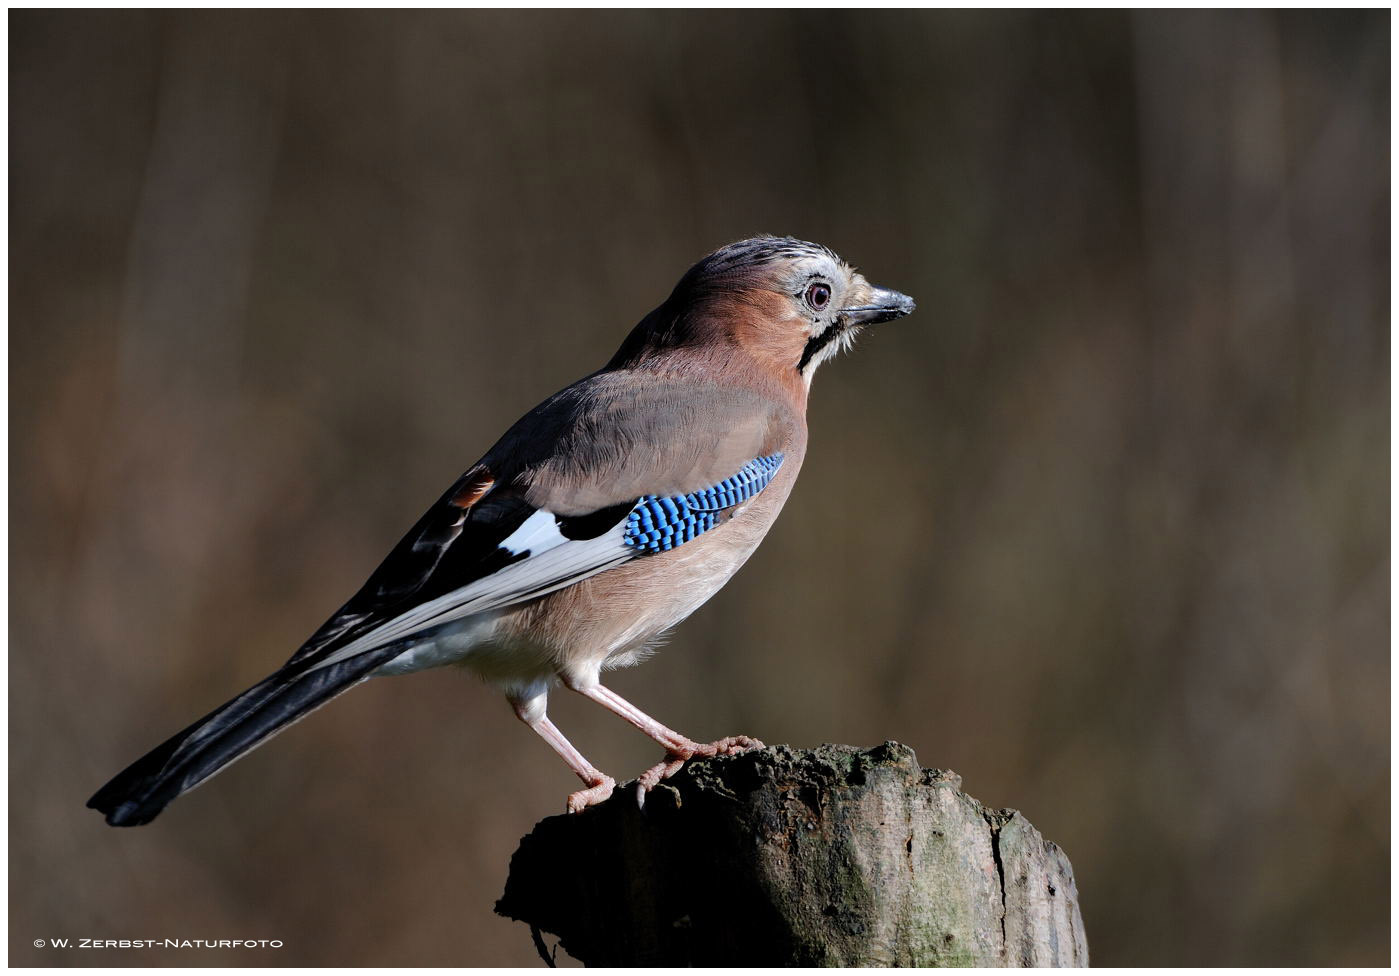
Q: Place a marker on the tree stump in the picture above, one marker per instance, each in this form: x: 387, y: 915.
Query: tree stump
x: 835, y: 856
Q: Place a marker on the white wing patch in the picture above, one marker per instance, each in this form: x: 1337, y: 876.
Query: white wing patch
x: 539, y: 533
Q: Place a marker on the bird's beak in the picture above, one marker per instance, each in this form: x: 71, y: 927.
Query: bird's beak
x: 884, y: 305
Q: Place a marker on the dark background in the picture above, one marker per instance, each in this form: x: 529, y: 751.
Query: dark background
x: 1104, y: 527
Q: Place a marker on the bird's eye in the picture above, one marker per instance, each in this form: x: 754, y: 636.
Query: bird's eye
x: 817, y: 296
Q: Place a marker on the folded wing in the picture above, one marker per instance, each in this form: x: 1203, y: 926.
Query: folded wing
x: 506, y: 553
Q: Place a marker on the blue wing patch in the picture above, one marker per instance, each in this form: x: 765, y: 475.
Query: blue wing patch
x: 658, y: 524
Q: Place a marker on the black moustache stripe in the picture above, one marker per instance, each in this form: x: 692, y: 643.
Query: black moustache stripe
x: 816, y: 343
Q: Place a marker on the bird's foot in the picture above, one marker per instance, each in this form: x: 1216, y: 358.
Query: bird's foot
x: 596, y: 792
x: 677, y: 758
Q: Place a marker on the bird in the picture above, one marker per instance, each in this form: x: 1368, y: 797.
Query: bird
x: 600, y: 520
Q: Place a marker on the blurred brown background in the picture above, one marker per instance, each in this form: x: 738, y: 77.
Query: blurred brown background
x: 1115, y: 542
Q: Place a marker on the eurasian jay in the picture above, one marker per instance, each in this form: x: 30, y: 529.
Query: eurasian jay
x: 604, y: 517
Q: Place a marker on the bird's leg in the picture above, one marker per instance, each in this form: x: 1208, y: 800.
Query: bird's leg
x: 679, y: 749
x: 600, y: 785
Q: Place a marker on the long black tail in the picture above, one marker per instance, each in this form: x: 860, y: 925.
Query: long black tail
x: 138, y: 793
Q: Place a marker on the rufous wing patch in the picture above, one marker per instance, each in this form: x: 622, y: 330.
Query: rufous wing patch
x: 474, y: 485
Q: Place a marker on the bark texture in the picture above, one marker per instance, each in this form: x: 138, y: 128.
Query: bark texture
x: 834, y: 856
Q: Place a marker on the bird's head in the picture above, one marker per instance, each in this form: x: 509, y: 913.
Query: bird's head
x: 789, y: 303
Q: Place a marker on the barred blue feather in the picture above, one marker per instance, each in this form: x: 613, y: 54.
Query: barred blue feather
x: 660, y: 523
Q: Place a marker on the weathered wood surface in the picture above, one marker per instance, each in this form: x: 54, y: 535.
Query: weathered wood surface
x: 835, y: 856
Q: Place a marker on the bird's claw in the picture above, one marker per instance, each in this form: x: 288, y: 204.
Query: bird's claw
x: 675, y: 761
x: 595, y: 793
x: 730, y: 746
